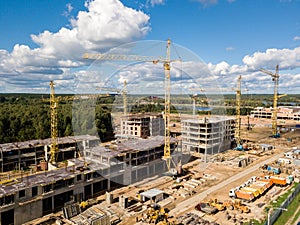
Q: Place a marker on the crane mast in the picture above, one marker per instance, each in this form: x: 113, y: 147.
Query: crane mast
x: 54, y: 133
x: 238, y: 112
x: 167, y: 67
x: 275, y: 78
x: 124, y: 94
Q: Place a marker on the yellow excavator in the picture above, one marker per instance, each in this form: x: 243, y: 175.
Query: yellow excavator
x: 159, y: 216
x: 237, y: 205
x: 215, y: 203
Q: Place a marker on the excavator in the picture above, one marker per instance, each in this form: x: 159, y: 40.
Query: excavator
x: 215, y: 203
x: 159, y: 216
x: 237, y: 205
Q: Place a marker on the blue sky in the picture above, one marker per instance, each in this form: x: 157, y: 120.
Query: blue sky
x: 44, y: 40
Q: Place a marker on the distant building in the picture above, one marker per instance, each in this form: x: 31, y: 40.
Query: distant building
x: 283, y: 112
x: 142, y: 125
x: 208, y: 135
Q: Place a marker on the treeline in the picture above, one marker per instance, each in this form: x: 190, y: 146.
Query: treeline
x: 27, y: 117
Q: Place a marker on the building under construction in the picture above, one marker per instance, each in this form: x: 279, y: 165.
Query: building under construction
x: 283, y: 113
x: 29, y: 154
x: 35, y: 194
x: 142, y: 125
x: 208, y: 135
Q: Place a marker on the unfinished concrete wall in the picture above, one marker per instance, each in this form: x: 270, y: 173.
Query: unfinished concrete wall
x: 28, y: 212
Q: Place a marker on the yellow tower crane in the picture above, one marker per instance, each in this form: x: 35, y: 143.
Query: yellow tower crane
x: 275, y: 78
x: 124, y: 94
x: 54, y: 133
x: 238, y: 112
x: 167, y: 67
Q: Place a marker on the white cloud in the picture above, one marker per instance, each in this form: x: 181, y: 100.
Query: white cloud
x: 69, y: 7
x: 105, y: 24
x: 69, y: 10
x: 229, y: 48
x: 207, y: 2
x: 296, y: 38
x: 109, y: 23
x: 155, y: 2
x: 286, y: 58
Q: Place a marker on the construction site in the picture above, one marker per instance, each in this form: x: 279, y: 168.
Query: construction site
x: 215, y: 170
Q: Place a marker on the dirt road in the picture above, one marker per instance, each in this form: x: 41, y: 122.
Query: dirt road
x: 194, y: 200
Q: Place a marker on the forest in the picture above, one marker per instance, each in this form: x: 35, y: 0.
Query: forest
x: 27, y: 116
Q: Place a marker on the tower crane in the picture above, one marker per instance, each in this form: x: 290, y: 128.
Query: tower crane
x: 53, y: 108
x: 194, y: 98
x: 118, y: 91
x: 275, y: 78
x: 124, y: 94
x: 167, y: 67
x: 238, y: 112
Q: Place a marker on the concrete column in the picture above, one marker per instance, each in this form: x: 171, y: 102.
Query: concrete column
x: 52, y: 203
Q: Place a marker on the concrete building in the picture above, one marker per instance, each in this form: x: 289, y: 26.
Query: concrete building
x: 208, y: 135
x: 29, y: 154
x: 33, y: 195
x: 142, y: 125
x: 283, y: 112
x: 130, y: 160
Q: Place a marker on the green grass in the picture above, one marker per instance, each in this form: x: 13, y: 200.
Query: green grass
x: 255, y: 222
x: 286, y: 215
x: 297, y: 216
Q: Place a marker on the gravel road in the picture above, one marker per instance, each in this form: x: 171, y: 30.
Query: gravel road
x: 194, y: 200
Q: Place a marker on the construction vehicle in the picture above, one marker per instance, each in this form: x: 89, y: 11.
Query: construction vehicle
x: 281, y: 181
x: 270, y: 169
x: 236, y: 205
x: 241, y: 194
x: 84, y: 204
x: 254, y: 191
x: 215, y: 203
x: 205, y: 207
x: 275, y: 170
x: 158, y: 215
x: 262, y: 185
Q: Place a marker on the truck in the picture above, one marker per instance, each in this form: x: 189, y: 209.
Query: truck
x: 261, y: 186
x: 241, y: 194
x: 281, y: 181
x: 254, y: 191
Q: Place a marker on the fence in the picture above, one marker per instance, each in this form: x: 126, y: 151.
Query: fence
x: 277, y: 212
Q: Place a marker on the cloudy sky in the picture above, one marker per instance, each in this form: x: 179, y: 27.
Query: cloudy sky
x: 216, y: 41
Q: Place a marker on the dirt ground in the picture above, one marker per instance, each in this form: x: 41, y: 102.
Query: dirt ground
x: 259, y: 134
x: 217, y: 169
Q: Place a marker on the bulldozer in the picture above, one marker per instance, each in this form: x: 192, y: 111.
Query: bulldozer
x: 157, y: 215
x: 237, y: 205
x: 215, y: 203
